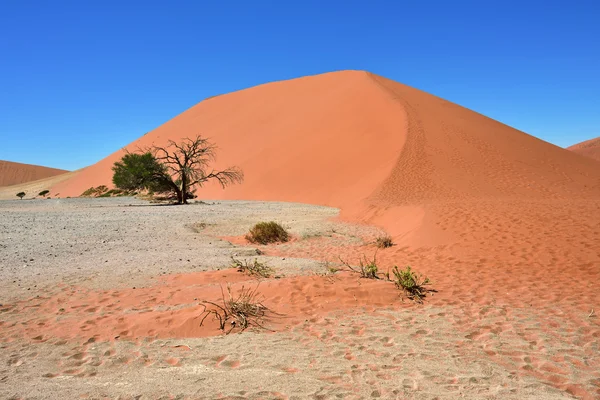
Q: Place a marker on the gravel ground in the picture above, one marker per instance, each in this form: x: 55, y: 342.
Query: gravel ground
x: 112, y: 242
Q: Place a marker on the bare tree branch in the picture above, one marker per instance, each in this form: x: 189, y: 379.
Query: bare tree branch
x: 188, y: 161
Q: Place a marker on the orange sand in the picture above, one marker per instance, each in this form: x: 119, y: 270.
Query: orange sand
x: 136, y: 313
x: 12, y: 173
x: 589, y: 148
x: 367, y: 145
x: 506, y: 225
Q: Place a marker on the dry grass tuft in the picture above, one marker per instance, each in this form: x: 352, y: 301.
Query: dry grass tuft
x: 255, y: 268
x: 238, y: 311
x: 267, y: 232
x: 383, y: 242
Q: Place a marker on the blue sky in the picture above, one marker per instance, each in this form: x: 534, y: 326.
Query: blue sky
x: 80, y: 79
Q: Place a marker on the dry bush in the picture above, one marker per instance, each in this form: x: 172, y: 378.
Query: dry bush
x: 411, y: 283
x: 383, y: 242
x: 94, y: 191
x: 255, y: 268
x: 238, y: 311
x: 366, y: 268
x: 267, y: 232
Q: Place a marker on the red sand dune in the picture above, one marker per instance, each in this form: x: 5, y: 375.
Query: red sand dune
x: 377, y: 149
x: 12, y: 173
x: 506, y: 225
x: 589, y: 148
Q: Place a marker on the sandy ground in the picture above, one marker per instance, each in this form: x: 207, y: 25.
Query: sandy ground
x: 101, y: 298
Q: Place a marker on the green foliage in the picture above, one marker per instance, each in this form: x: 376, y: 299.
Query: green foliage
x: 175, y: 169
x: 255, y: 268
x: 366, y: 268
x: 140, y: 172
x: 383, y: 242
x: 267, y: 232
x: 21, y: 195
x: 411, y: 283
x: 43, y: 193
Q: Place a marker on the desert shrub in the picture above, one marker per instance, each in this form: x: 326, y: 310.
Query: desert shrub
x: 383, y: 242
x: 241, y: 311
x: 267, y: 232
x: 255, y: 268
x: 43, y: 193
x: 366, y: 268
x: 89, y: 192
x: 101, y: 189
x: 95, y: 191
x: 114, y: 192
x: 21, y: 195
x: 411, y: 283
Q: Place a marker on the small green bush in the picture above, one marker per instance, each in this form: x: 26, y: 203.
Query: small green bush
x: 366, y: 268
x: 21, y: 195
x: 383, y: 242
x: 267, y: 232
x: 411, y: 283
x: 43, y: 193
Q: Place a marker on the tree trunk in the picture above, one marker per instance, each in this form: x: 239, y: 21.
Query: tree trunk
x: 180, y: 197
x: 184, y: 189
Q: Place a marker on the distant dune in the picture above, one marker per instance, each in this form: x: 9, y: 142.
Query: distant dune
x: 365, y: 144
x: 589, y: 148
x: 12, y: 173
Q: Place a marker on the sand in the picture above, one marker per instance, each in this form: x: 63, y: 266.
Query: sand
x: 589, y: 148
x: 12, y: 173
x: 365, y: 144
x: 94, y: 321
x: 506, y: 225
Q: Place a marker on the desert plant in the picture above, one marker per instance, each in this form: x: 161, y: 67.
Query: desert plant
x: 366, y: 268
x: 94, y: 191
x: 255, y: 268
x: 241, y: 311
x: 89, y: 192
x: 411, y: 283
x: 21, y: 195
x: 267, y: 232
x: 43, y: 193
x: 177, y: 169
x: 330, y: 268
x: 383, y: 242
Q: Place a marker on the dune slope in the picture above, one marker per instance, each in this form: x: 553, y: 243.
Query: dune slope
x: 12, y: 173
x: 366, y: 144
x: 589, y: 148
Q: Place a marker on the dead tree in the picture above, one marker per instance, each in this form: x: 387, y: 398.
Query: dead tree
x: 188, y: 165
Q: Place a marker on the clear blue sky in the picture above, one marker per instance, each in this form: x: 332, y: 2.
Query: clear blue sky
x: 80, y: 79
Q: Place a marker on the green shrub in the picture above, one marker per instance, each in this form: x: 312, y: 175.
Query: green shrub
x: 267, y: 232
x: 43, y: 193
x: 411, y: 283
x: 366, y: 268
x: 21, y: 195
x: 383, y: 242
